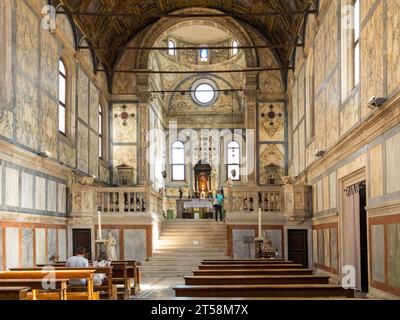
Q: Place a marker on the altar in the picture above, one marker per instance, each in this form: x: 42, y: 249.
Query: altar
x: 195, y: 209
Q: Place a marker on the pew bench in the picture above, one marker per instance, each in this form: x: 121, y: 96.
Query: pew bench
x: 14, y: 293
x: 248, y: 262
x: 254, y: 272
x: 249, y: 266
x: 276, y: 291
x: 261, y: 279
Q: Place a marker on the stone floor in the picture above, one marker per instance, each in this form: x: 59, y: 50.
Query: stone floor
x: 154, y: 288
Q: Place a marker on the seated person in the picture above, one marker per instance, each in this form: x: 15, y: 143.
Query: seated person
x: 78, y: 261
x: 98, y: 278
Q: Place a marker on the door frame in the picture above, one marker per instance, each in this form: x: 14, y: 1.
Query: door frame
x: 89, y: 250
x: 353, y: 178
x: 308, y: 237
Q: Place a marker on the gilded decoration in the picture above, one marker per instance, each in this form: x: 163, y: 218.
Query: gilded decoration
x: 271, y: 122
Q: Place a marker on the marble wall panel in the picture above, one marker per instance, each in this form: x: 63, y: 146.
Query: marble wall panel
x: 28, y: 130
x: 302, y: 155
x: 51, y: 196
x: 378, y: 253
x: 320, y: 203
x: 7, y: 123
x: 276, y: 237
x: 62, y: 198
x: 124, y: 155
x: 83, y: 96
x: 49, y: 63
x: 393, y: 240
x: 51, y: 243
x: 271, y: 122
x: 296, y: 152
x: 295, y: 106
x: 124, y: 130
x: 94, y: 107
x: 104, y: 174
x: 325, y: 188
x: 320, y: 120
x: 392, y: 167
x: 327, y: 249
x: 40, y: 235
x: 62, y: 244
x: 321, y: 247
x: 64, y: 25
x: 334, y: 248
x: 319, y: 59
x: 135, y: 244
x: 27, y: 40
x: 27, y: 191
x: 242, y: 249
x: 393, y: 45
x: 49, y: 124
x: 40, y: 195
x: 12, y: 248
x: 349, y: 115
x: 83, y: 148
x: 270, y: 153
x: 67, y: 154
x: 332, y: 111
x: 27, y: 248
x: 376, y: 172
x: 315, y: 246
x: 12, y: 187
x: 94, y: 154
x: 1, y: 248
x: 332, y: 190
x: 301, y: 93
x: 115, y: 234
x: 330, y: 26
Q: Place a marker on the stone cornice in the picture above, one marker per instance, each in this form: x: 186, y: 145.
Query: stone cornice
x: 374, y: 126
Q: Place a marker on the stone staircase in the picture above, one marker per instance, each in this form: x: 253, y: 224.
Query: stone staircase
x: 183, y: 244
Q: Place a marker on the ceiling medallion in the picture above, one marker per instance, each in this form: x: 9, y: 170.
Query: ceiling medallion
x: 272, y: 121
x: 124, y: 115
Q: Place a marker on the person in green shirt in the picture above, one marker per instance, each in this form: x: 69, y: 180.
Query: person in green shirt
x: 217, y: 204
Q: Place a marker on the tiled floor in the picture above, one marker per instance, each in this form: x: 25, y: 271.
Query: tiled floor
x: 154, y: 288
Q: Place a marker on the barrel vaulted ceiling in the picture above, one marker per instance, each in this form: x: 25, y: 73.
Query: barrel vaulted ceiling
x: 112, y: 31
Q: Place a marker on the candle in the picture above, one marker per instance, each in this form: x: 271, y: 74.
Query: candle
x: 259, y: 222
x: 99, y: 225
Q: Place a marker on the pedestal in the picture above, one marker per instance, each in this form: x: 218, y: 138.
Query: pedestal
x: 99, y: 246
x: 259, y: 245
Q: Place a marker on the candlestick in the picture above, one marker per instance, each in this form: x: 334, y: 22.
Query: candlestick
x: 99, y: 225
x: 259, y: 222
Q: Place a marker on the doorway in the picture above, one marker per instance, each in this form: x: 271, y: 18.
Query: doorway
x: 82, y: 238
x: 298, y: 246
x: 363, y: 238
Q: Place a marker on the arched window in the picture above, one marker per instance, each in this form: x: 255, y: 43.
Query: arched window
x: 100, y: 132
x: 171, y: 48
x: 233, y: 160
x: 62, y: 93
x: 178, y: 161
x: 203, y: 55
x: 235, y: 49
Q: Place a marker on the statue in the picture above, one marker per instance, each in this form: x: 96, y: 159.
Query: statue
x: 110, y: 244
x: 180, y: 193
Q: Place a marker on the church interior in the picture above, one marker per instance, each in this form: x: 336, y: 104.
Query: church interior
x: 228, y: 149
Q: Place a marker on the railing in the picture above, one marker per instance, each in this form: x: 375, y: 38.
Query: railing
x: 268, y: 198
x: 86, y: 200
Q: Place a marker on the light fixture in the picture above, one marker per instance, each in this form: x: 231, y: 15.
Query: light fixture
x: 44, y: 154
x: 375, y: 102
x: 319, y: 153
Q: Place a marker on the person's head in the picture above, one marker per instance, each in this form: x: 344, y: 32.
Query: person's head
x: 218, y: 191
x: 80, y: 251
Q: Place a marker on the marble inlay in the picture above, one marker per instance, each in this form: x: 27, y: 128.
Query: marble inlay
x: 12, y: 187
x: 62, y: 196
x: 327, y: 243
x: 27, y: 191
x: 378, y: 252
x: 51, y: 243
x: 51, y: 196
x: 40, y: 194
x: 393, y: 236
x: 12, y: 248
x: 315, y: 246
x: 392, y: 168
x: 243, y: 243
x: 135, y: 244
x: 27, y: 248
x: 334, y: 248
x: 40, y: 246
x: 62, y: 244
x: 1, y: 185
x: 1, y: 248
x: 321, y: 247
x: 276, y: 237
x: 332, y: 190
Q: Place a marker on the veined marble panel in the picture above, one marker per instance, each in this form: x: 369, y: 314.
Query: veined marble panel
x: 135, y: 244
x: 27, y: 248
x: 331, y: 38
x: 332, y: 111
x: 94, y: 107
x: 378, y: 253
x: 392, y: 166
x: 320, y: 121
x: 115, y: 234
x: 376, y: 172
x: 62, y: 198
x: 40, y: 235
x: 332, y: 190
x: 327, y: 243
x: 49, y: 63
x: 1, y: 248
x: 12, y: 187
x: 64, y: 25
x: 276, y: 237
x: 393, y: 45
x: 270, y: 153
x: 94, y: 154
x: 315, y: 246
x: 83, y: 148
x: 67, y: 154
x: 51, y: 243
x: 334, y: 248
x: 320, y: 204
x: 325, y: 182
x: 349, y: 115
x: 124, y: 130
x: 242, y: 249
x: 51, y: 196
x: 104, y: 174
x: 40, y: 201
x: 295, y: 106
x: 302, y: 153
x: 7, y: 123
x: 83, y: 96
x: 393, y: 240
x: 27, y: 191
x: 62, y: 244
x: 12, y: 248
x: 321, y: 246
x: 50, y: 124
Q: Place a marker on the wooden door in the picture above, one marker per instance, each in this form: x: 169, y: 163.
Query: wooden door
x: 82, y: 238
x: 297, y: 246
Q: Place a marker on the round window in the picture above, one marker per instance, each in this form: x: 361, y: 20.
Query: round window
x: 204, y: 93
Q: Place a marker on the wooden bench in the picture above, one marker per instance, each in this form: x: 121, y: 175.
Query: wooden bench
x: 14, y: 293
x: 263, y: 272
x: 58, y: 276
x: 126, y: 273
x: 239, y: 280
x: 245, y: 260
x: 107, y: 287
x: 292, y: 290
x: 249, y: 266
x: 229, y: 262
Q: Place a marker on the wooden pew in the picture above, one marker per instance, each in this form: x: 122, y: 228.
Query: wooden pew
x: 61, y: 276
x: 254, y: 272
x: 108, y: 287
x: 245, y: 280
x: 249, y: 266
x: 14, y: 293
x: 126, y: 272
x: 276, y: 291
x: 247, y: 262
